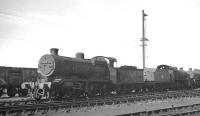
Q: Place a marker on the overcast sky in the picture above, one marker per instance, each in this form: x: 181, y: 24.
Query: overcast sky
x: 29, y: 28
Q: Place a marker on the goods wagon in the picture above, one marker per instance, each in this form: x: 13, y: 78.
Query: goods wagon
x: 3, y: 80
x: 11, y: 79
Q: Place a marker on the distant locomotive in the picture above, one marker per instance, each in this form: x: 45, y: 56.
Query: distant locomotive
x: 172, y: 77
x: 97, y: 76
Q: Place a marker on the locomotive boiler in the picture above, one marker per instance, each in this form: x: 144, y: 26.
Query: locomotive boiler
x: 53, y: 65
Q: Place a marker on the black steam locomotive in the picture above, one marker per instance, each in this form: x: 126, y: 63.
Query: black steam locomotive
x: 75, y: 77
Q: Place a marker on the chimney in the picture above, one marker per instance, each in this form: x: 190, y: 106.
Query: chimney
x: 54, y: 51
x: 190, y: 69
x: 181, y: 69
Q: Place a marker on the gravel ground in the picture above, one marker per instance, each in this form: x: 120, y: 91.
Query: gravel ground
x: 110, y: 110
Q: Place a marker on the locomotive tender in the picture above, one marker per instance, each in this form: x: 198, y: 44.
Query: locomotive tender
x: 75, y: 77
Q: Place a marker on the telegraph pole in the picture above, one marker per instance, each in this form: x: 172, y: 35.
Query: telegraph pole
x: 143, y: 39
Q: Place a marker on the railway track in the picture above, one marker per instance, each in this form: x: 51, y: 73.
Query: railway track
x: 46, y: 105
x: 172, y: 111
x: 136, y: 97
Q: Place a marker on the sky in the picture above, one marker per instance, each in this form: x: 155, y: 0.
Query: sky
x: 113, y: 28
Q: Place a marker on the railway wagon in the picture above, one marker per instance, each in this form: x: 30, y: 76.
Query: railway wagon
x: 11, y: 79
